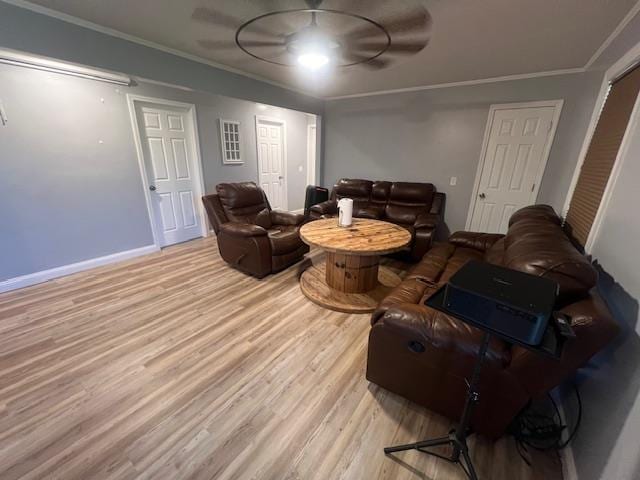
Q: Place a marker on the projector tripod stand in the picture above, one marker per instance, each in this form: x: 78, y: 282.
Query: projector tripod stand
x: 457, y: 438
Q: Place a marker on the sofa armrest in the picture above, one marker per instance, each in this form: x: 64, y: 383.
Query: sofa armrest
x: 242, y: 229
x: 437, y: 205
x: 594, y: 328
x: 426, y: 220
x: 452, y: 338
x: 475, y: 240
x: 279, y: 217
x: 329, y: 207
x: 410, y: 291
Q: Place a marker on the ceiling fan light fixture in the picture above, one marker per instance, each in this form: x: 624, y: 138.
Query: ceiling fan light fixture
x: 313, y: 59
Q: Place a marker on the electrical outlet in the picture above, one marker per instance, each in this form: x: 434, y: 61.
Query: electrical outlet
x: 453, y: 181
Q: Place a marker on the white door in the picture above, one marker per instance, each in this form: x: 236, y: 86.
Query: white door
x: 270, y: 137
x: 311, y: 155
x: 166, y: 135
x: 515, y: 156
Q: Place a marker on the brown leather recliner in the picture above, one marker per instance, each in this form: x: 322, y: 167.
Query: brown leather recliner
x: 535, y: 243
x: 416, y: 207
x: 252, y: 237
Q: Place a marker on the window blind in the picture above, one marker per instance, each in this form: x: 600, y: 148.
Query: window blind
x: 601, y: 155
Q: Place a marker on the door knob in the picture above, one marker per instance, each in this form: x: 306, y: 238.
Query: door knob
x: 482, y: 196
x: 152, y: 188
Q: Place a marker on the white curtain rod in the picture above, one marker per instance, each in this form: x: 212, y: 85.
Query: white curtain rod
x: 28, y: 60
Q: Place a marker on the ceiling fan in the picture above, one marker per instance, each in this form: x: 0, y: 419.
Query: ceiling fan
x: 315, y: 37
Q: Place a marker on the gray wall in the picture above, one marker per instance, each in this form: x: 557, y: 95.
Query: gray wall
x: 25, y: 30
x: 70, y: 183
x: 607, y: 447
x: 432, y: 135
x: 210, y: 108
x: 65, y: 197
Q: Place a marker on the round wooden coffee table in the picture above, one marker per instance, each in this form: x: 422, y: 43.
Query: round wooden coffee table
x: 351, y: 278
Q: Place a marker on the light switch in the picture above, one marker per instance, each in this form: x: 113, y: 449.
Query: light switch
x: 300, y: 168
x: 453, y: 181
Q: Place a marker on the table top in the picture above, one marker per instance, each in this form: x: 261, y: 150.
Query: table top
x: 363, y: 237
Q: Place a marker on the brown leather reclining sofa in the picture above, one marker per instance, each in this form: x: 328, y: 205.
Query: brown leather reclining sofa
x: 414, y: 206
x: 535, y: 243
x: 252, y: 237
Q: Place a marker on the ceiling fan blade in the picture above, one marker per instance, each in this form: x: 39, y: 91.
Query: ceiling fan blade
x: 395, y: 47
x: 216, y: 44
x: 359, y: 59
x: 262, y: 43
x: 376, y: 64
x: 220, y: 19
x: 225, y: 44
x: 209, y: 15
x: 410, y: 22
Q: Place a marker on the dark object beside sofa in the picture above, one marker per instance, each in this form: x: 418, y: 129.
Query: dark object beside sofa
x: 414, y: 206
x: 512, y: 376
x: 252, y: 237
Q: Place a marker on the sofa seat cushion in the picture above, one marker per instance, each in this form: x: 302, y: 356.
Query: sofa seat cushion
x: 284, y: 239
x: 371, y: 212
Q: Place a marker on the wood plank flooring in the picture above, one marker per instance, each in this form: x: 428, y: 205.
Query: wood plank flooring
x: 175, y: 366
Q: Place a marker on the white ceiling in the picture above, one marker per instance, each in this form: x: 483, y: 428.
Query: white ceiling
x: 470, y: 39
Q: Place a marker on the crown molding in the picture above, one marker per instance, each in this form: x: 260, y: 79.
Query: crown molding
x: 147, y: 43
x: 623, y: 23
x: 506, y: 78
x: 124, y: 36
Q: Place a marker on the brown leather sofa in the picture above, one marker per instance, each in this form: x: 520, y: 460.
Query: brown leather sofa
x: 414, y: 206
x: 535, y: 243
x: 252, y: 237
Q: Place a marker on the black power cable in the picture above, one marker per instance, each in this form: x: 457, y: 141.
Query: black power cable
x: 537, y: 428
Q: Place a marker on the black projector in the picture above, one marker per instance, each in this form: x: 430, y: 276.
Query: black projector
x: 510, y: 303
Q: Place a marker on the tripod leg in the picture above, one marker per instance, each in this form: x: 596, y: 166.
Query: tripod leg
x: 436, y: 442
x: 469, y: 469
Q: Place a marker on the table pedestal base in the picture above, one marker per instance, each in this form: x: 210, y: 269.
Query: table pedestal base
x: 314, y: 285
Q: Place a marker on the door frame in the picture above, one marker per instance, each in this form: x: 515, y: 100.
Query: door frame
x: 283, y: 124
x: 311, y: 164
x: 556, y: 105
x: 132, y: 101
x: 627, y: 62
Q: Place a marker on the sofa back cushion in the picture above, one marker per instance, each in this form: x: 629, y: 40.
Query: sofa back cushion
x: 407, y: 200
x: 215, y: 212
x: 536, y: 212
x: 356, y: 189
x: 242, y: 202
x: 536, y: 244
x: 379, y: 196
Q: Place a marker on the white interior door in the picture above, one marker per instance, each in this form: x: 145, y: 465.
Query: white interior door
x: 514, y: 159
x: 271, y: 163
x: 166, y: 135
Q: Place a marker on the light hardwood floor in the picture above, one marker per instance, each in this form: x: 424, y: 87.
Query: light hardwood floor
x: 174, y: 365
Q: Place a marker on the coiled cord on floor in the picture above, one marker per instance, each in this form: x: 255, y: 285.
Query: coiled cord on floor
x: 542, y: 430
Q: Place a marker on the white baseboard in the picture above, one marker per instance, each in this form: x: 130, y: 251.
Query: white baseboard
x: 300, y: 210
x: 44, y: 275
